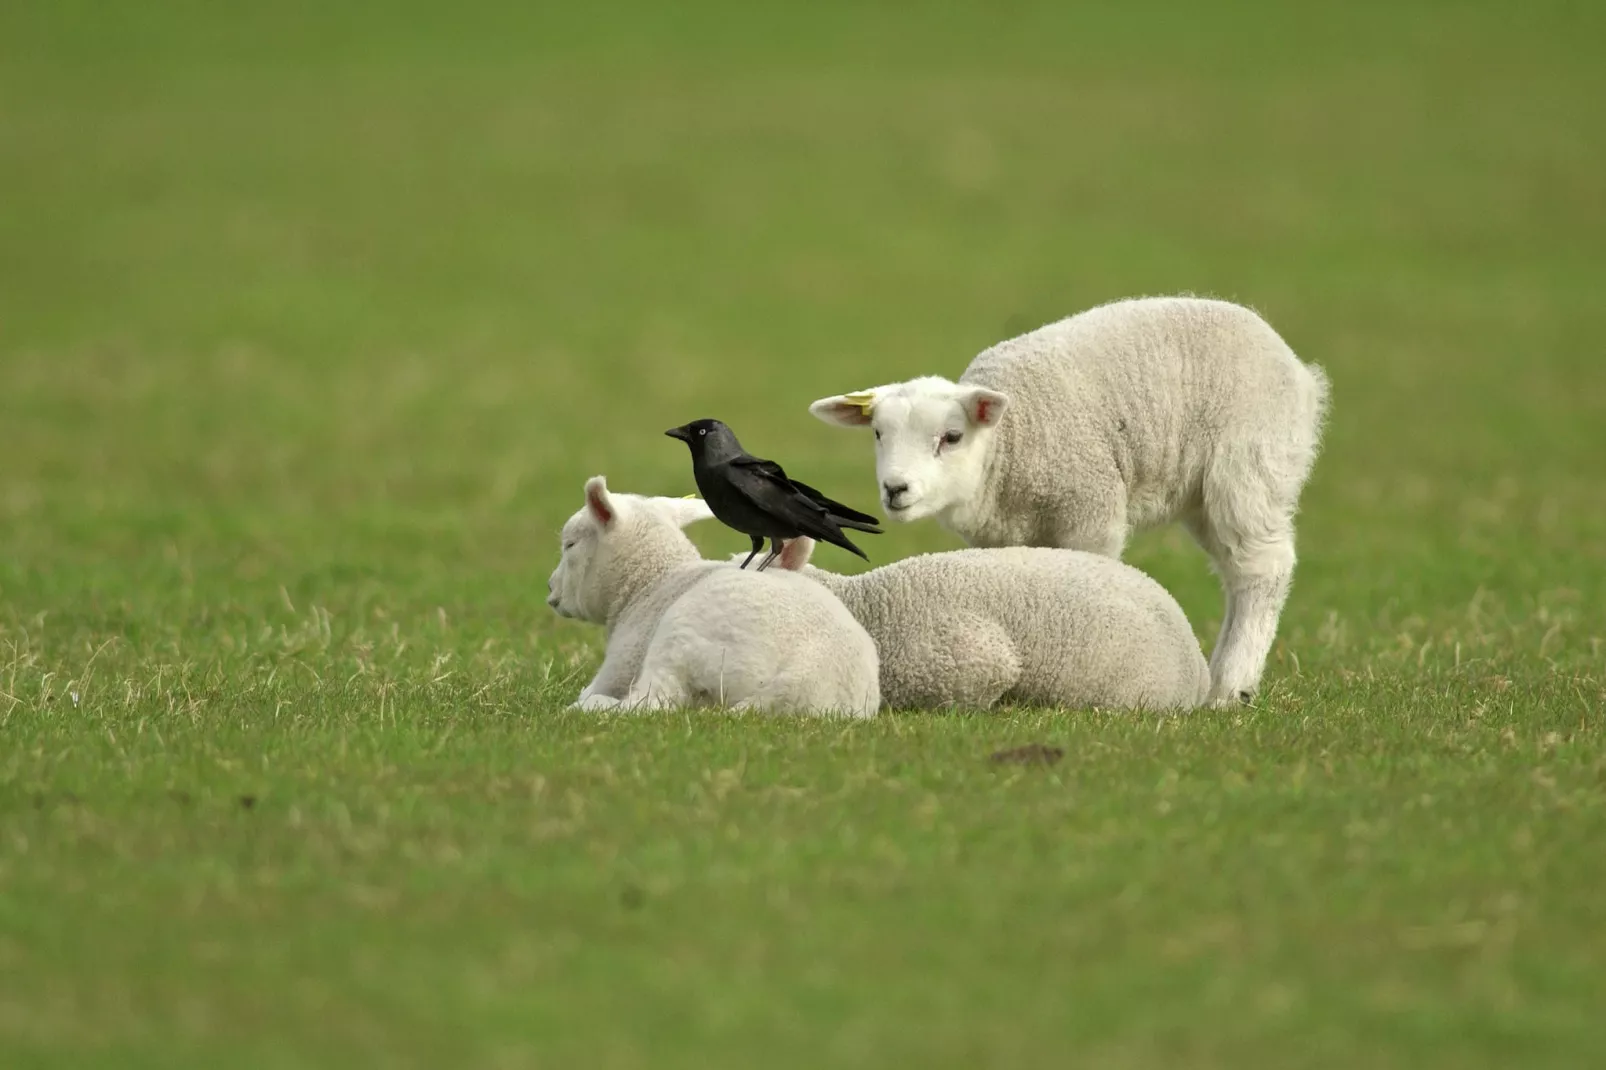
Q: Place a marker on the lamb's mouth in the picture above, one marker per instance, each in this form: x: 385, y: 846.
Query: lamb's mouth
x: 899, y: 507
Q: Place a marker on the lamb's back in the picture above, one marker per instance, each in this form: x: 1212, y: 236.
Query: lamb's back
x: 1140, y: 390
x: 1085, y: 627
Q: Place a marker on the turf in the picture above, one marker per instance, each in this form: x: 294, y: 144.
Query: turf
x: 313, y: 322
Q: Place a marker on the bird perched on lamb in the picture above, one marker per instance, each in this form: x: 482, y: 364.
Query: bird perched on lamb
x: 758, y: 499
x: 1120, y: 418
x: 683, y: 631
x: 1028, y: 625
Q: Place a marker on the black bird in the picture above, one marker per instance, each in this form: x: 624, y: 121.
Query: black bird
x: 758, y: 499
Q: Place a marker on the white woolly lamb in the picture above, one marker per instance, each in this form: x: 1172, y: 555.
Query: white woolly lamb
x: 687, y: 632
x: 1119, y: 418
x: 1027, y: 625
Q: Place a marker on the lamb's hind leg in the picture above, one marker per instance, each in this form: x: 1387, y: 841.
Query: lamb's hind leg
x: 966, y: 661
x: 1257, y: 589
x: 1252, y: 546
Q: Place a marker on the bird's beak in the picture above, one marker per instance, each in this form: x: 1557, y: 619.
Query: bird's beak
x: 680, y: 433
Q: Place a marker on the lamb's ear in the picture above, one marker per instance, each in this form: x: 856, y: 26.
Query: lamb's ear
x: 599, y: 502
x: 795, y: 553
x: 687, y: 510
x: 847, y: 410
x: 983, y: 407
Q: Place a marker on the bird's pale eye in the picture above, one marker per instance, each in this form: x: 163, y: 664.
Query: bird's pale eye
x: 704, y: 431
x: 952, y: 438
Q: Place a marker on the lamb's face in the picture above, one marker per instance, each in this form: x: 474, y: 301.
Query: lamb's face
x: 612, y: 537
x: 932, y: 438
x: 931, y: 445
x: 575, y: 588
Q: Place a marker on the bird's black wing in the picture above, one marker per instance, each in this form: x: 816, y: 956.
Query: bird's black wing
x: 843, y: 514
x: 835, y: 508
x: 759, y: 464
x: 765, y: 485
x: 777, y: 498
x: 772, y: 475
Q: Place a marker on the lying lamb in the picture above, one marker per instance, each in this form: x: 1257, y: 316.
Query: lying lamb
x: 683, y: 631
x: 1026, y: 625
x: 1117, y: 419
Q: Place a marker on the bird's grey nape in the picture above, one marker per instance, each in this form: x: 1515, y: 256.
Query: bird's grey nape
x: 721, y: 443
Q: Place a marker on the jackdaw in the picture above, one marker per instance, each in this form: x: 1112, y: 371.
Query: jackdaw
x: 758, y: 499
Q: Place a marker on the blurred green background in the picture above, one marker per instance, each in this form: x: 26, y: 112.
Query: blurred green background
x: 315, y: 318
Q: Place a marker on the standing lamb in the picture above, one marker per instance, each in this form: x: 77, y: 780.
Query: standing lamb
x: 683, y: 631
x: 1026, y: 625
x: 1117, y: 419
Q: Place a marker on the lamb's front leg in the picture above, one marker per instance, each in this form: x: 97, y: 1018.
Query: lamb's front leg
x: 605, y: 690
x: 656, y: 692
x: 1093, y: 522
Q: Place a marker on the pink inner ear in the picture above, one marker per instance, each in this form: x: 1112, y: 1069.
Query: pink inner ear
x: 795, y: 554
x: 599, y: 508
x: 853, y: 413
x: 983, y: 407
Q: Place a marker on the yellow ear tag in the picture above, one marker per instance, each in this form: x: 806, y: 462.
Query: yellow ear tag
x: 864, y: 399
x: 688, y: 497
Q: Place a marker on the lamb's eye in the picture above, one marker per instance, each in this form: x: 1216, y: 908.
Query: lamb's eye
x: 952, y: 438
x: 878, y: 436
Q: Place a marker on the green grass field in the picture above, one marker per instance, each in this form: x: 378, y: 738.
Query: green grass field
x: 312, y: 325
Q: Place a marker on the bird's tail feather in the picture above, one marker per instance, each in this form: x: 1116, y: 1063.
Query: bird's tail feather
x: 829, y: 532
x: 839, y: 512
x: 842, y: 541
x: 843, y: 513
x: 869, y: 528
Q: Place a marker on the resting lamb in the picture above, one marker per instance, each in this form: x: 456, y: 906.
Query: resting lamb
x: 1020, y: 625
x: 1122, y: 417
x: 687, y: 632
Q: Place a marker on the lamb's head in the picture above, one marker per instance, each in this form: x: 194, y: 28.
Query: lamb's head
x: 616, y: 546
x: 932, y: 438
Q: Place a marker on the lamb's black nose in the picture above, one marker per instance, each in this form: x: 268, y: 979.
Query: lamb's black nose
x: 894, y: 490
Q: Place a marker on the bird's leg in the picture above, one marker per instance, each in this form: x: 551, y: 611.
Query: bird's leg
x: 758, y: 544
x: 775, y: 551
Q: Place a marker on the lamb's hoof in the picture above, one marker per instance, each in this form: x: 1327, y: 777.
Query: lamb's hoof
x: 1233, y: 700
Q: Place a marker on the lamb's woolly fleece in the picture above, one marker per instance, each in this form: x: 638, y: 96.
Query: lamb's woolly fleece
x: 1019, y: 625
x: 687, y: 632
x: 1122, y: 417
